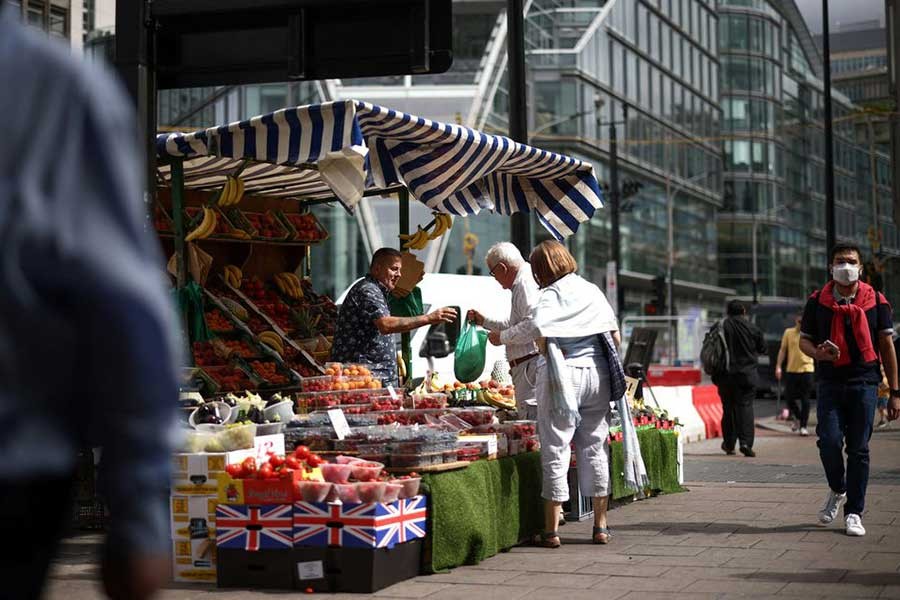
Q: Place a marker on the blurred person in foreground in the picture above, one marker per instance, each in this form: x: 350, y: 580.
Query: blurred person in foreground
x: 579, y: 376
x: 512, y: 272
x: 89, y: 345
x: 798, y: 376
x: 847, y: 328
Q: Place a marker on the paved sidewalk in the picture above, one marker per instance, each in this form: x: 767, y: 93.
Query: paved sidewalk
x: 719, y: 540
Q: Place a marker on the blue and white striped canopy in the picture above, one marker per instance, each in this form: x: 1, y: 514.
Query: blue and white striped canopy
x: 349, y: 147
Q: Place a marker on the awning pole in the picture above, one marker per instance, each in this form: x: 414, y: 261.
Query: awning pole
x: 178, y: 221
x: 405, y: 338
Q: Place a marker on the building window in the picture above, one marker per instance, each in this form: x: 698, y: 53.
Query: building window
x: 59, y: 26
x: 37, y: 15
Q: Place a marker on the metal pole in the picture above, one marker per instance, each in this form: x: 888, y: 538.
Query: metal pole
x: 615, y: 237
x: 178, y: 221
x: 405, y: 338
x: 670, y: 262
x: 755, y: 281
x: 830, y: 232
x: 520, y: 223
x: 134, y: 52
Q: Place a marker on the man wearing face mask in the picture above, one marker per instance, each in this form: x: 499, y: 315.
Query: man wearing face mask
x: 846, y: 326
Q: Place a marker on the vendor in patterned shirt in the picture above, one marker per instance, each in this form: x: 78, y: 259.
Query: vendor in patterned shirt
x: 365, y: 325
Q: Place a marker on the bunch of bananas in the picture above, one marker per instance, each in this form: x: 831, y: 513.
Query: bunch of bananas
x: 498, y: 400
x: 232, y: 192
x: 289, y: 285
x: 420, y: 239
x: 233, y: 276
x: 206, y: 226
x: 272, y: 340
x: 401, y: 365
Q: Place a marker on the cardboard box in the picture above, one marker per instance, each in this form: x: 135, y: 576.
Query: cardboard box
x: 193, y: 517
x: 273, y: 569
x: 194, y: 560
x: 372, y: 525
x: 355, y: 570
x: 487, y: 444
x: 262, y: 491
x: 197, y: 474
x: 252, y: 528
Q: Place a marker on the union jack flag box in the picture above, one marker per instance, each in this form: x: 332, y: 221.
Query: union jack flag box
x: 369, y: 525
x: 254, y: 527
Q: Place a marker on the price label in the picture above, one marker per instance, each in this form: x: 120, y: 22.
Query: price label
x: 339, y: 422
x: 630, y: 387
x: 310, y: 570
x: 392, y: 392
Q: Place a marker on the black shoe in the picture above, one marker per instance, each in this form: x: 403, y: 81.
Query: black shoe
x: 727, y: 450
x: 748, y: 452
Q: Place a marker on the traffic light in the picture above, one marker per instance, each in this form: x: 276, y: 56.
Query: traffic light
x: 657, y: 304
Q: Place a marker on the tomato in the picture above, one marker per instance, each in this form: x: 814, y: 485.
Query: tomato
x: 234, y: 471
x: 265, y: 471
x: 248, y: 467
x: 293, y: 463
x: 275, y: 460
x: 301, y: 452
x: 286, y: 474
x: 314, y: 460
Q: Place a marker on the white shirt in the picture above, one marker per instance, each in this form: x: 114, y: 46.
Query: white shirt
x: 525, y: 294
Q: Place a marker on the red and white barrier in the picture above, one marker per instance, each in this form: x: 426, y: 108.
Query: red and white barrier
x: 709, y: 407
x: 678, y: 402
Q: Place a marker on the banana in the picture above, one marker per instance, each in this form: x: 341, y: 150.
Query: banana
x: 236, y: 309
x: 227, y: 192
x: 442, y: 223
x: 233, y: 276
x: 272, y: 340
x: 401, y: 365
x: 416, y: 241
x: 279, y: 282
x: 206, y: 226
x: 239, y: 190
x: 295, y: 282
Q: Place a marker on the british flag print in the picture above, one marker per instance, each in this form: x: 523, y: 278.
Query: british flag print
x: 252, y: 528
x: 371, y: 525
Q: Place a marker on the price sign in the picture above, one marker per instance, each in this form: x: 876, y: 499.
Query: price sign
x: 339, y: 422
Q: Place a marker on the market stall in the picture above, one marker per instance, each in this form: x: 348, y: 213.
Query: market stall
x: 300, y: 472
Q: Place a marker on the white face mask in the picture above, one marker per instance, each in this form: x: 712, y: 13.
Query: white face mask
x: 845, y: 274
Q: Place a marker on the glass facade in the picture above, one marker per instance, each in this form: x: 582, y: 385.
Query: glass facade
x: 773, y: 144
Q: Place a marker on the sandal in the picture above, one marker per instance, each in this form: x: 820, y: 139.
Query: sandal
x: 602, y: 535
x: 548, y: 539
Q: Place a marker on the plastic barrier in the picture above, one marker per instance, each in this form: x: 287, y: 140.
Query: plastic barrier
x: 666, y: 375
x: 678, y: 402
x: 709, y: 406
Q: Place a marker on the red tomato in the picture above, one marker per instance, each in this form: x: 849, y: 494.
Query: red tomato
x: 301, y: 452
x: 234, y: 471
x: 314, y: 460
x: 265, y: 472
x: 293, y: 463
x: 275, y: 460
x: 248, y: 467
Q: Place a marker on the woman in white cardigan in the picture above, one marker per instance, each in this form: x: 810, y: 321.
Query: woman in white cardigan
x: 578, y: 378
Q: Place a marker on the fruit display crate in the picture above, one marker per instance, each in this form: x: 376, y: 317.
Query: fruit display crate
x: 305, y: 228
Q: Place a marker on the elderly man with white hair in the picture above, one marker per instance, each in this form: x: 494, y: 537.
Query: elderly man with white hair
x: 505, y: 263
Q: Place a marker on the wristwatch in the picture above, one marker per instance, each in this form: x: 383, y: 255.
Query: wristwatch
x: 895, y: 393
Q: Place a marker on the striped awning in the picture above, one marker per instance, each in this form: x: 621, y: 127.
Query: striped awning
x: 344, y: 149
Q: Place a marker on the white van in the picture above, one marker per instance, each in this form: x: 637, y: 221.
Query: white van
x: 465, y: 292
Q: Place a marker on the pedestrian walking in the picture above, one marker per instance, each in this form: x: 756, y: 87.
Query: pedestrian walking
x: 846, y: 326
x: 90, y: 345
x: 579, y: 375
x: 512, y: 272
x: 798, y: 377
x: 737, y: 386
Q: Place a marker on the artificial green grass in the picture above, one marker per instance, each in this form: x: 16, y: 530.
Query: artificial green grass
x: 481, y: 510
x: 659, y: 449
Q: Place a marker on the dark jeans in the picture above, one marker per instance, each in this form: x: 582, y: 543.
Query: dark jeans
x: 845, y: 413
x: 33, y: 517
x: 737, y: 392
x: 797, y: 389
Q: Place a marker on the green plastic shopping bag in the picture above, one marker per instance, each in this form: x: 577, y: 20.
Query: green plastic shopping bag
x: 469, y: 356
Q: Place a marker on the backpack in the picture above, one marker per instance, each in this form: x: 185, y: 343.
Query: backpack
x: 714, y: 353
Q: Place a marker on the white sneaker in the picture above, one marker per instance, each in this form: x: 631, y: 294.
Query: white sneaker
x: 804, y: 431
x: 831, y: 507
x: 854, y: 525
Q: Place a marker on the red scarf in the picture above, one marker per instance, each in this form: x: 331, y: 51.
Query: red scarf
x: 865, y: 299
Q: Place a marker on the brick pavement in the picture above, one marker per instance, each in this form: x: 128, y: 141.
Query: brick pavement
x: 719, y: 540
